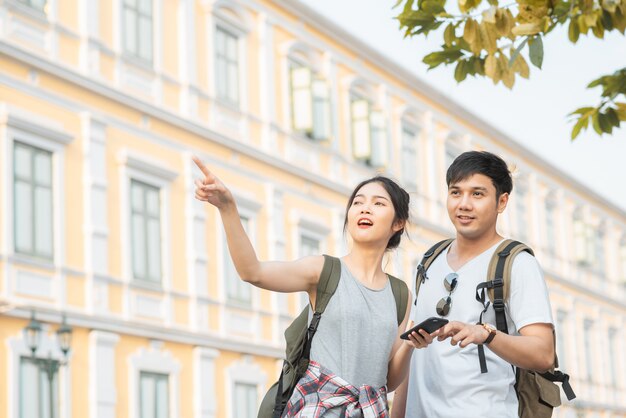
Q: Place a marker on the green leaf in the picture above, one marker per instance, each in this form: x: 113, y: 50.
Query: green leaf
x: 595, y: 122
x: 621, y: 111
x: 448, y: 35
x: 582, y: 111
x: 460, y: 73
x: 517, y: 51
x: 447, y: 56
x: 574, y: 31
x: 536, y: 51
x: 605, y: 125
x: 562, y: 8
x: 582, y: 122
x: 612, y: 117
x: 598, y: 30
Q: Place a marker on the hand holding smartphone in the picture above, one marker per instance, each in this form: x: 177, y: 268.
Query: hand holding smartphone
x: 429, y: 325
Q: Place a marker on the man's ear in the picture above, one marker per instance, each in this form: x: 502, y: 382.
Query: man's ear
x: 502, y: 202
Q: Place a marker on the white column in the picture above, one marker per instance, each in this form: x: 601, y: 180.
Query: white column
x: 197, y: 253
x: 186, y: 55
x: 102, y: 387
x: 267, y: 88
x: 205, y: 385
x: 95, y: 203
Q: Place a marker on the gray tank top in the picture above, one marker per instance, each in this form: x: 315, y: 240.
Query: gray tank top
x: 356, y: 332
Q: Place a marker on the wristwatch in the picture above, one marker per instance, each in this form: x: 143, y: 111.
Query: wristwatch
x: 492, y: 332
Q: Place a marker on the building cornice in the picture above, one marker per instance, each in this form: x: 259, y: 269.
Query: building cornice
x: 100, y: 88
x: 149, y: 331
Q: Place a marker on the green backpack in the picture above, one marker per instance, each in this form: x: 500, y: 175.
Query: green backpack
x: 299, y: 334
x: 537, y: 392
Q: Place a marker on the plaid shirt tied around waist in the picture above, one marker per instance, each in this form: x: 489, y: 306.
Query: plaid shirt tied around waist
x: 320, y: 391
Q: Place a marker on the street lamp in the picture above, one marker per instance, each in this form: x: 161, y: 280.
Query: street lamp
x: 32, y: 336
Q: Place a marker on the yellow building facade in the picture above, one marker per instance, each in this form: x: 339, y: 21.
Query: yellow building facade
x: 102, y: 105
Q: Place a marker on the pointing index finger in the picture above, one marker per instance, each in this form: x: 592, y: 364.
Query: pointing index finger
x: 201, y: 166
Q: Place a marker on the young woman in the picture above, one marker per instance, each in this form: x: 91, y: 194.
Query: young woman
x: 356, y: 350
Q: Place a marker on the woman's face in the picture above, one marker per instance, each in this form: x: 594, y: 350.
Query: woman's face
x: 371, y: 216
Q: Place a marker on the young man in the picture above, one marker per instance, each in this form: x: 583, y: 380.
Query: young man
x: 445, y: 379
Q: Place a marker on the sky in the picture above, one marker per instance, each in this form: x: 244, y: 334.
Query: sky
x: 534, y: 113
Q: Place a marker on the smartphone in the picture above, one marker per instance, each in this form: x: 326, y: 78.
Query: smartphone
x: 429, y: 325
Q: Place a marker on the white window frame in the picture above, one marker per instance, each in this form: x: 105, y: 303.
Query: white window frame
x: 521, y: 213
x: 145, y: 188
x: 304, y: 225
x: 204, y: 382
x: 613, y: 361
x: 409, y: 172
x: 153, y: 360
x: 374, y: 152
x: 599, y: 259
x: 588, y: 349
x: 29, y: 4
x: 452, y: 148
x: 562, y: 332
x: 156, y: 378
x: 243, y: 371
x: 622, y: 258
x: 299, y: 56
x: 48, y: 348
x: 155, y: 173
x: 35, y: 204
x: 230, y: 98
x: 136, y: 56
x: 132, y: 72
x: 17, y: 125
x: 550, y: 225
x: 233, y: 18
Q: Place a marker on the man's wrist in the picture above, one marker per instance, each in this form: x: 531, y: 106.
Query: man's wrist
x: 492, y: 332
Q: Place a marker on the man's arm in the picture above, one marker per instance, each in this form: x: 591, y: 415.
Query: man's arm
x: 533, y: 349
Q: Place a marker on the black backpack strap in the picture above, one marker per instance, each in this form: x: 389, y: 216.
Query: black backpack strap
x: 428, y: 258
x: 498, y: 286
x: 326, y: 287
x: 400, y: 293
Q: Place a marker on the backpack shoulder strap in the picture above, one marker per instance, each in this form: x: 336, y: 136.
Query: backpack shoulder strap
x: 400, y: 293
x: 327, y: 285
x: 499, y: 274
x: 428, y: 258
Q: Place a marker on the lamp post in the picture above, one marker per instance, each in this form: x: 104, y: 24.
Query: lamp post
x: 32, y: 336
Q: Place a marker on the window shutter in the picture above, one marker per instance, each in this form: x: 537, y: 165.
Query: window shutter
x: 361, y: 144
x: 591, y: 240
x: 301, y: 97
x: 321, y: 109
x: 580, y: 247
x: 380, y: 153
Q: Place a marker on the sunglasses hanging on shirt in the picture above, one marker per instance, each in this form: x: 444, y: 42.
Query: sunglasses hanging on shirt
x: 445, y: 304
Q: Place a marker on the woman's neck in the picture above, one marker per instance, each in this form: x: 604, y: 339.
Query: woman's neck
x: 365, y: 264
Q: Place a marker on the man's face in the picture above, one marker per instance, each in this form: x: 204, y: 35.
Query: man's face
x: 473, y: 208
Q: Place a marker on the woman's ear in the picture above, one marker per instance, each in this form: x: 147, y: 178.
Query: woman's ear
x: 398, y: 225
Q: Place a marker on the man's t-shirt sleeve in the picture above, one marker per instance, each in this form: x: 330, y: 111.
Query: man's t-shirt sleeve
x: 529, y: 301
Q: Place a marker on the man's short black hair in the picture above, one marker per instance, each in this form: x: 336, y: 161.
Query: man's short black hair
x: 481, y: 162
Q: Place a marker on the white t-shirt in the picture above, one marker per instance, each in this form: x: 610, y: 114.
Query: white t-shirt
x: 445, y: 380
